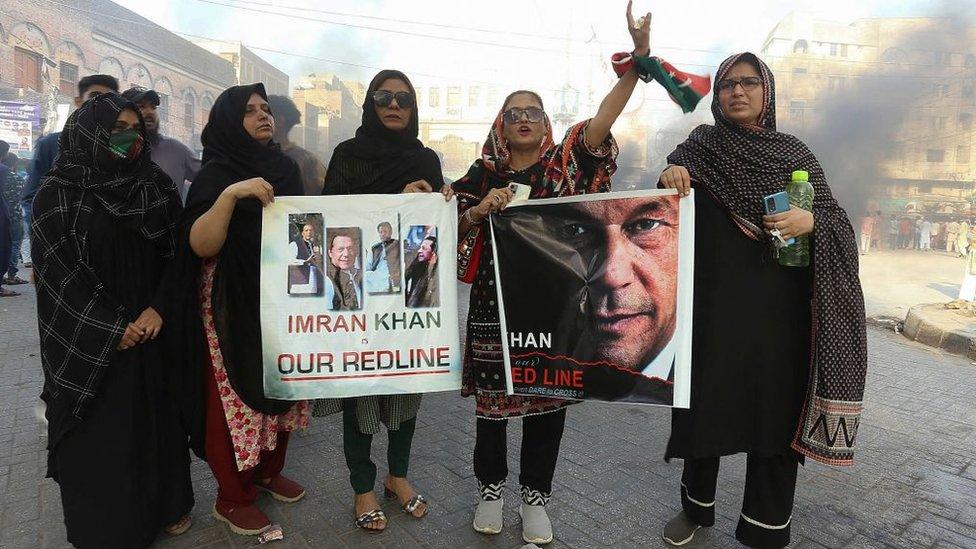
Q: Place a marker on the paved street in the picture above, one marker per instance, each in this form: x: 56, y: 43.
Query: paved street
x: 895, y: 281
x: 914, y: 484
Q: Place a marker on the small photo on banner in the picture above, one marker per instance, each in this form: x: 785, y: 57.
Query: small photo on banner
x: 382, y: 276
x: 595, y: 296
x: 421, y: 273
x: 344, y: 267
x: 305, y: 239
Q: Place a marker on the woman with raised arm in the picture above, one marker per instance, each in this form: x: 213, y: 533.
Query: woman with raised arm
x: 520, y: 149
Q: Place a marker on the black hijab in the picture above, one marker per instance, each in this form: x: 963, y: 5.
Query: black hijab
x: 81, y: 323
x: 230, y: 155
x: 379, y: 160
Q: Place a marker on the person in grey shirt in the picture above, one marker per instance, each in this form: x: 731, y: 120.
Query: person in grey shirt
x: 175, y: 158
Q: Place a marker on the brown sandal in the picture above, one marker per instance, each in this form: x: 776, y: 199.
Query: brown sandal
x: 180, y: 526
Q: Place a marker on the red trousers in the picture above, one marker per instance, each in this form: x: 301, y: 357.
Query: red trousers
x: 235, y: 488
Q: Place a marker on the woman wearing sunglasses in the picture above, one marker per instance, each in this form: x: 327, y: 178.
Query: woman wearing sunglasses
x: 785, y: 379
x: 520, y: 149
x: 385, y: 157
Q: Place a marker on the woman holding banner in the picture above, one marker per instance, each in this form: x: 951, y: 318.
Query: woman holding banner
x: 779, y: 353
x: 520, y: 149
x: 242, y: 435
x: 385, y: 157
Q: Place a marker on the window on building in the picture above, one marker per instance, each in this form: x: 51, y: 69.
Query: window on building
x: 834, y: 50
x: 473, y: 95
x: 205, y: 107
x: 935, y: 155
x: 188, y: 107
x: 435, y: 97
x: 68, y: 79
x: 836, y: 83
x: 970, y: 61
x: 943, y: 58
x: 843, y: 50
x: 800, y: 46
x: 27, y: 69
x: 941, y: 90
x: 493, y: 97
x: 963, y: 153
x: 966, y: 121
x: 163, y: 109
x: 937, y: 122
x: 799, y: 70
x: 924, y: 188
x: 454, y: 96
x: 967, y: 91
x: 893, y: 55
x: 796, y: 110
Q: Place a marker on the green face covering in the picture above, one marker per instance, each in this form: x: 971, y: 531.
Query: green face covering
x: 126, y: 145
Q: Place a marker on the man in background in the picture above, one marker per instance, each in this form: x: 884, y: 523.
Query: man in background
x: 175, y: 158
x: 286, y: 117
x: 46, y: 148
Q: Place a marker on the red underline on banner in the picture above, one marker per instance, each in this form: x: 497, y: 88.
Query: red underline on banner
x: 588, y: 364
x: 360, y: 376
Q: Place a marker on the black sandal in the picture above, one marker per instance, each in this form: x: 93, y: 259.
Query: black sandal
x: 369, y: 517
x: 412, y: 504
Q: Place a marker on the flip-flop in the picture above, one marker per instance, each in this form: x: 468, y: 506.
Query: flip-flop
x: 8, y: 293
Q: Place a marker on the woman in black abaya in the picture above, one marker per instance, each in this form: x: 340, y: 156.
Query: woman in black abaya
x: 102, y: 236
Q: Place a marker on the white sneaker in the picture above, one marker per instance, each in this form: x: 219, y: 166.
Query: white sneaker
x: 488, y: 516
x: 536, y: 526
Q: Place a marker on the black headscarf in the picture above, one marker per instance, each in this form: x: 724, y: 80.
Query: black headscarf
x: 741, y: 164
x: 230, y: 155
x: 379, y: 160
x: 80, y: 323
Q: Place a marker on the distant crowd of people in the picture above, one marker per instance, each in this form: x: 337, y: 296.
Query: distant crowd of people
x: 916, y: 232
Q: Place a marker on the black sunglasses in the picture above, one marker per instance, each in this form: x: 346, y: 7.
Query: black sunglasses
x: 515, y: 114
x: 748, y: 83
x: 384, y: 98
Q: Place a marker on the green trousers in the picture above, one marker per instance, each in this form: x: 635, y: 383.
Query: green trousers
x: 356, y: 445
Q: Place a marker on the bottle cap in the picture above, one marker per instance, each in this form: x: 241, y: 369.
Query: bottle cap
x: 801, y: 175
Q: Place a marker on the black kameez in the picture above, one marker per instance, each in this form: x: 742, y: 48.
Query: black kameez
x: 751, y: 345
x: 124, y: 471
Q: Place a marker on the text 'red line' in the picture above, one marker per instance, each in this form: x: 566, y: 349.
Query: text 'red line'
x: 590, y: 364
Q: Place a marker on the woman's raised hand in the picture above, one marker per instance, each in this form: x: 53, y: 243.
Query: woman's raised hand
x: 256, y: 187
x: 640, y: 31
x: 677, y: 177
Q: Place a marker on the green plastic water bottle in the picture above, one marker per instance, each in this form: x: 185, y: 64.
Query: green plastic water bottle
x: 801, y: 196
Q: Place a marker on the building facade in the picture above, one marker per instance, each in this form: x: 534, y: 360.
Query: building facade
x: 910, y: 81
x: 46, y: 48
x: 331, y: 112
x: 248, y: 66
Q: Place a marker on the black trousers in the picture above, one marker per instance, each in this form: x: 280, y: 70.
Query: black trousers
x: 541, y: 435
x: 766, y: 505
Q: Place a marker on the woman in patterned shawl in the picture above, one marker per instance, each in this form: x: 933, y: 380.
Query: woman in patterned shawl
x: 779, y: 355
x: 102, y: 235
x: 520, y: 149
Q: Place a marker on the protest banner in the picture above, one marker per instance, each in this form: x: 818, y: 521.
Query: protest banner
x: 18, y: 122
x: 595, y: 296
x: 357, y: 296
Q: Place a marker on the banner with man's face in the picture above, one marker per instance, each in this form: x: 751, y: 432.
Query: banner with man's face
x: 357, y: 297
x: 595, y: 296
